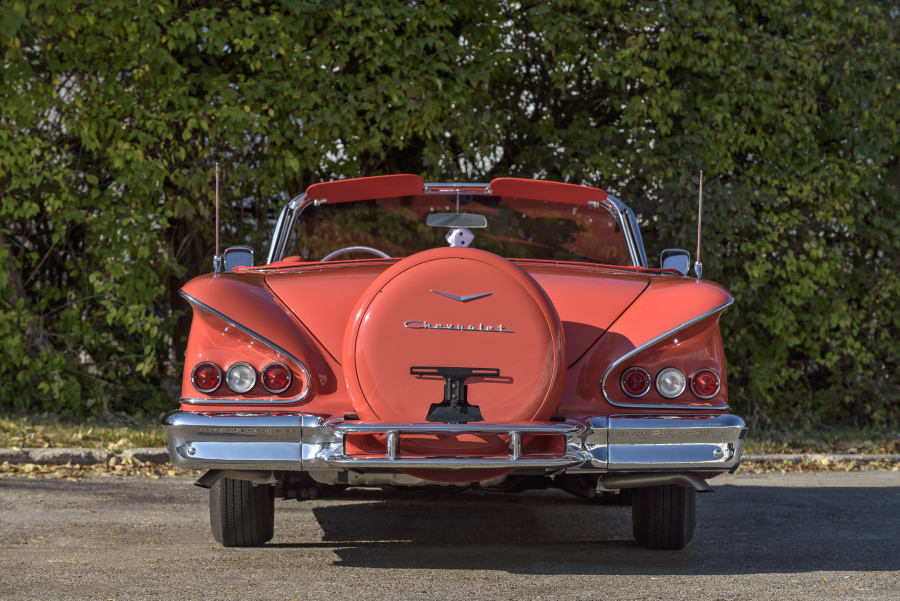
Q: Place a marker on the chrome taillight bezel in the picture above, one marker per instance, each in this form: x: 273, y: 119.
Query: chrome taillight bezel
x: 194, y: 379
x: 645, y: 372
x: 262, y: 378
x: 713, y: 372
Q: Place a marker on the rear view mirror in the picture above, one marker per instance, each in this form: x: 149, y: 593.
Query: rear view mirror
x: 675, y: 258
x: 238, y: 256
x: 456, y: 220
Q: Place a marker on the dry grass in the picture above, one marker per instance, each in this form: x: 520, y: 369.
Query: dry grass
x: 849, y: 441
x: 112, y: 434
x: 120, y: 467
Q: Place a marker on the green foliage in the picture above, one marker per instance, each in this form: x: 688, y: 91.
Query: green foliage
x: 114, y: 114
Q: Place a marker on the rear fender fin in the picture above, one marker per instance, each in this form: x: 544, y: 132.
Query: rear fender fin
x: 694, y: 345
x: 223, y: 340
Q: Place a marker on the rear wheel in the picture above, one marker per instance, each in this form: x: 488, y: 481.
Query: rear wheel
x: 242, y: 514
x: 663, y: 516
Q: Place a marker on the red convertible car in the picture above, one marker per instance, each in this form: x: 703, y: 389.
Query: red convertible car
x: 504, y: 336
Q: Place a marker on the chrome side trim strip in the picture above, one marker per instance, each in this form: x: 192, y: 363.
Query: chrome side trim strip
x: 201, y: 305
x: 650, y: 343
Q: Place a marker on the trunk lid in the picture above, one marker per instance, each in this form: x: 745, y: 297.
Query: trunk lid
x: 588, y: 298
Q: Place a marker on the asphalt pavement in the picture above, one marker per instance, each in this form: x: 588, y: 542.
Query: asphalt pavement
x: 826, y: 535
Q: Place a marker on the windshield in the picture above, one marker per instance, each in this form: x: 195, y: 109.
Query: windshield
x: 516, y: 228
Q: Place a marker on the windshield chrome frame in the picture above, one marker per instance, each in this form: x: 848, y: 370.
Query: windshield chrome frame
x: 283, y: 228
x: 292, y: 210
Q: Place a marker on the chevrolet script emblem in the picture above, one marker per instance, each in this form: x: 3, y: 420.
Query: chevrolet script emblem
x: 462, y: 299
x: 420, y: 324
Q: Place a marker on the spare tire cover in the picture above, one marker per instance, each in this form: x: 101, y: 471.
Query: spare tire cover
x: 454, y: 307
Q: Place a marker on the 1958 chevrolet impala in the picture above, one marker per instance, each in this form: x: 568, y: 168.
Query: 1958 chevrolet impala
x: 504, y: 336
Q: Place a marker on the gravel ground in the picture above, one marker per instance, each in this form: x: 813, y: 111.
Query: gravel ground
x: 825, y: 535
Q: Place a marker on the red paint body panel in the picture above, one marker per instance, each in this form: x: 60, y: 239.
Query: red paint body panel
x: 323, y: 296
x: 588, y: 299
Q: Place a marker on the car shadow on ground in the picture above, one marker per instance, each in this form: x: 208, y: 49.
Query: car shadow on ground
x: 741, y: 529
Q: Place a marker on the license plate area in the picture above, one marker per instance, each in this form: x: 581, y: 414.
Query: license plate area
x: 369, y: 445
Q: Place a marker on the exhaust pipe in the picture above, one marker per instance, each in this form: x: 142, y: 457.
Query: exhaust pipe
x: 620, y: 481
x: 257, y: 477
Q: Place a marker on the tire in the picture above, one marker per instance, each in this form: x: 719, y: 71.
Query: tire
x: 242, y: 514
x: 663, y: 517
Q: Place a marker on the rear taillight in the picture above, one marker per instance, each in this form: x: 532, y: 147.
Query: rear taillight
x: 206, y: 377
x: 276, y: 377
x: 635, y: 382
x: 705, y: 383
x: 670, y: 382
x: 241, y: 377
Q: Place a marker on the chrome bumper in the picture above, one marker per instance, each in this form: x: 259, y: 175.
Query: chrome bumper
x: 294, y: 442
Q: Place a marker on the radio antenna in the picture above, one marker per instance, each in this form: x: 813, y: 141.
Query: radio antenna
x: 217, y: 258
x: 698, y: 265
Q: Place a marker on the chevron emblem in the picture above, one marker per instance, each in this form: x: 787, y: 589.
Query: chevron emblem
x: 462, y: 299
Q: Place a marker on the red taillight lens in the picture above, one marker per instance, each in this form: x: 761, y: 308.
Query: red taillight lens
x: 276, y: 377
x: 705, y: 383
x: 206, y: 377
x: 635, y: 381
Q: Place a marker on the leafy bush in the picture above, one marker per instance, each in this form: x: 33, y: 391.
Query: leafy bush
x: 114, y: 113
